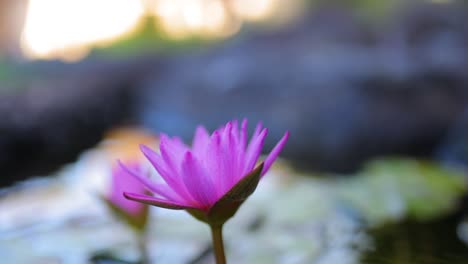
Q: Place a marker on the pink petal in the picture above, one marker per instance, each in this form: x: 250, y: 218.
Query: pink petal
x: 226, y: 132
x: 153, y: 187
x: 198, y: 184
x: 235, y: 131
x: 243, y: 133
x: 253, y: 151
x: 274, y: 153
x: 241, y: 147
x: 171, y: 157
x: 234, y: 141
x: 212, y: 163
x: 168, y: 175
x: 172, y: 149
x: 257, y: 130
x: 178, y: 144
x: 146, y: 199
x: 200, y: 140
x: 228, y: 158
x: 122, y: 181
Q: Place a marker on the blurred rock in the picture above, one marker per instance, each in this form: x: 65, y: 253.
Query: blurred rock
x: 346, y: 90
x: 291, y: 218
x: 51, y: 121
x: 454, y: 147
x: 346, y: 94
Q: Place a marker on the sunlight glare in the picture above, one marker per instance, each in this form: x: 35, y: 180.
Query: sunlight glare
x: 254, y: 10
x: 69, y: 28
x: 186, y: 18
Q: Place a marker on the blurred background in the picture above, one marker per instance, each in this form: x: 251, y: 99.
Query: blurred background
x: 375, y: 94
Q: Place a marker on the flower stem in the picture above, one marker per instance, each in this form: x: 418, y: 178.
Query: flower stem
x: 218, y: 245
x: 142, y: 241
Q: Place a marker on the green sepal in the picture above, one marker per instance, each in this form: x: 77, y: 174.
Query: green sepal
x: 137, y: 222
x: 228, y: 205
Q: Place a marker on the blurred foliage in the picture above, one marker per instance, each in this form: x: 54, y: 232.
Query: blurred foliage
x: 149, y: 39
x: 11, y: 77
x: 392, y: 211
x: 19, y: 75
x: 408, y: 242
x: 393, y: 189
x: 373, y: 9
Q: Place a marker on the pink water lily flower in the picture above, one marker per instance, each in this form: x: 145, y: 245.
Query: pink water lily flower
x: 122, y: 181
x: 211, y: 179
x: 134, y: 213
x: 196, y: 178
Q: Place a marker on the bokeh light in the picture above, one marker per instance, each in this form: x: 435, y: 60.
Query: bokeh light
x: 67, y: 29
x: 186, y: 18
x: 254, y: 10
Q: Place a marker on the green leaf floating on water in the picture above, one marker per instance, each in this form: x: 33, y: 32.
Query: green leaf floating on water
x: 392, y: 189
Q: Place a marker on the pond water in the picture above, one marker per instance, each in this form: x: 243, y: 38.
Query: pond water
x: 409, y: 242
x: 393, y: 211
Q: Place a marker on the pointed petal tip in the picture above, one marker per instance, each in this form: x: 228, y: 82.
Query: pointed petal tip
x: 283, y: 139
x: 128, y: 169
x: 200, y: 129
x: 258, y: 129
x: 200, y: 138
x: 148, y: 152
x: 216, y: 135
x: 275, y: 153
x: 128, y: 195
x: 226, y: 129
x: 145, y: 149
x: 262, y: 135
x: 245, y: 122
x: 163, y: 139
x: 121, y: 164
x: 142, y: 146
